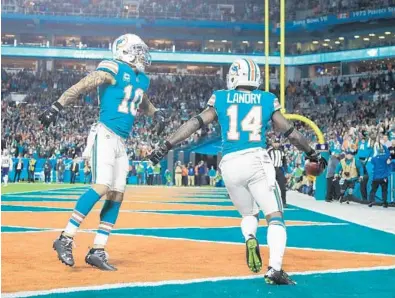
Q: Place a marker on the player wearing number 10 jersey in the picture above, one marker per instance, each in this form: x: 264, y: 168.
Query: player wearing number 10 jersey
x: 244, y: 113
x: 122, y: 85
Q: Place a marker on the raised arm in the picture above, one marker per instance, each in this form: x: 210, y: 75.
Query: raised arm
x: 147, y: 107
x: 192, y: 125
x: 296, y: 138
x: 90, y: 82
x: 184, y: 132
x: 158, y: 116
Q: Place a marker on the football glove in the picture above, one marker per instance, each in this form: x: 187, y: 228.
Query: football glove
x: 50, y: 115
x: 314, y: 156
x: 159, y: 122
x: 157, y: 155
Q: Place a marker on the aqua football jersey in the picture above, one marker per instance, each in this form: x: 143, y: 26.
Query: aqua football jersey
x: 244, y: 117
x: 119, y: 103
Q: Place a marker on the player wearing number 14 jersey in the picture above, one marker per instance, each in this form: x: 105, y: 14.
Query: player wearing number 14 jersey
x: 244, y: 112
x: 122, y: 85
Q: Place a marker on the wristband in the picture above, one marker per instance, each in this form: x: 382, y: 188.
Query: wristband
x: 310, y: 152
x: 200, y: 120
x: 57, y: 106
x: 159, y: 113
x: 289, y: 131
x: 168, y: 145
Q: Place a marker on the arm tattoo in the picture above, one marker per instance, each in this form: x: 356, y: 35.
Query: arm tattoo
x: 147, y: 107
x: 192, y: 125
x: 296, y: 138
x: 88, y: 83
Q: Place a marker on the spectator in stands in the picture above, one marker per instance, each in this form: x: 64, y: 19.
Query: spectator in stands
x: 74, y: 171
x: 168, y: 178
x: 191, y: 174
x: 140, y: 173
x: 157, y: 174
x: 31, y: 169
x: 184, y: 175
x: 391, y: 149
x: 18, y: 169
x: 295, y: 177
x: 201, y: 173
x: 178, y: 173
x: 212, y: 173
x: 364, y: 153
x: 47, y: 171
x: 381, y: 172
x: 150, y: 173
x: 333, y: 188
x: 60, y: 168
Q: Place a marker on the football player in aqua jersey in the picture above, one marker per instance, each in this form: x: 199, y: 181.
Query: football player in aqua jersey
x: 122, y: 85
x: 244, y: 112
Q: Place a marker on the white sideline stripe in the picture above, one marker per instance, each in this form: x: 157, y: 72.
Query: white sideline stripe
x: 180, y: 282
x: 49, y: 230
x: 114, y: 231
x: 263, y: 245
x: 51, y: 189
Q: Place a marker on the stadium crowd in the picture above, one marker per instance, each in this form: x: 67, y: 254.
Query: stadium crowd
x: 343, y: 109
x: 230, y: 10
x: 20, y: 122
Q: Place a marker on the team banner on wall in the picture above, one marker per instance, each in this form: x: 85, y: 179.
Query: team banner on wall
x: 342, y: 18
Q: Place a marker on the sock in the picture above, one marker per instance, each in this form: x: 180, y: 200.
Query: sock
x: 249, y: 225
x: 82, y: 208
x: 277, y: 240
x: 108, y: 217
x: 5, y: 180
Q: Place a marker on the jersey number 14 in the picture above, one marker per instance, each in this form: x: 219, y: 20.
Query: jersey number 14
x: 134, y: 105
x: 252, y: 123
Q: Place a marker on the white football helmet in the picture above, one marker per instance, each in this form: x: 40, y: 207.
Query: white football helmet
x: 244, y: 72
x: 132, y: 49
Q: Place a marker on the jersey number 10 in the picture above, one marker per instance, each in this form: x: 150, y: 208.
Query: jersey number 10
x: 134, y: 105
x: 252, y: 122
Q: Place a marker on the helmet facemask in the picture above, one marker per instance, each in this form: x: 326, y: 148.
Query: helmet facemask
x: 137, y: 55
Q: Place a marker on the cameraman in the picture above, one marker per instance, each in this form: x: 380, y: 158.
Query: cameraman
x: 349, y: 170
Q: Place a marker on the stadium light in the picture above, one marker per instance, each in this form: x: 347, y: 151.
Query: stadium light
x: 356, y: 36
x: 372, y: 34
x: 341, y: 38
x: 327, y: 40
x: 381, y: 37
x: 260, y: 42
x: 211, y: 40
x: 315, y: 42
x: 325, y: 44
x: 244, y: 41
x: 387, y: 33
x: 337, y: 42
x: 224, y: 40
x: 366, y: 39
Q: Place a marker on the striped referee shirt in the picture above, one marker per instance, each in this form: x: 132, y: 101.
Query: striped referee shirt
x: 278, y: 157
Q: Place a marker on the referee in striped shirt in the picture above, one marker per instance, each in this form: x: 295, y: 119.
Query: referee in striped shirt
x: 279, y: 159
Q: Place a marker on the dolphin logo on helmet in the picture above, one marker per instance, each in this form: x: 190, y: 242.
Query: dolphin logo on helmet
x: 244, y: 72
x: 131, y: 49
